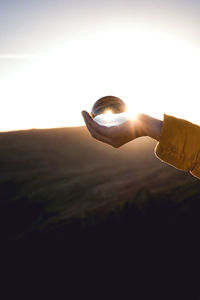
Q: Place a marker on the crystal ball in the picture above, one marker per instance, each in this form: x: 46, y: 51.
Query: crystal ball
x: 109, y: 111
x: 108, y: 103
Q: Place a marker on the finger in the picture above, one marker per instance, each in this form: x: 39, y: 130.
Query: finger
x: 91, y: 129
x: 97, y: 135
x: 102, y: 130
x: 86, y: 118
x: 86, y: 115
x: 94, y: 133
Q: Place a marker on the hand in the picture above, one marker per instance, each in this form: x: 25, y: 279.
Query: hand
x: 115, y: 136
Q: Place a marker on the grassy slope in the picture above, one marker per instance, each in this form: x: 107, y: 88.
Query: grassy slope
x: 83, y: 204
x: 48, y: 177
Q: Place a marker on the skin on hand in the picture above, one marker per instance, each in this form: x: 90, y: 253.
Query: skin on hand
x: 115, y: 136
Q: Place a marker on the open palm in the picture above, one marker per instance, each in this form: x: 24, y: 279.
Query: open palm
x: 115, y: 136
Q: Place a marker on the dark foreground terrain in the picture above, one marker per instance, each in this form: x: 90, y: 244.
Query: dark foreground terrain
x: 114, y: 220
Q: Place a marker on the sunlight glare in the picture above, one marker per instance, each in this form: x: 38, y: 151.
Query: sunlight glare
x: 152, y: 72
x: 109, y: 119
x: 108, y: 115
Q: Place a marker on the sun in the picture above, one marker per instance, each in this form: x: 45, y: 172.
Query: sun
x: 108, y: 115
x: 108, y: 112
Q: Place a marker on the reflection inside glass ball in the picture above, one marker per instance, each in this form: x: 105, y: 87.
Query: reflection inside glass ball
x: 109, y: 119
x: 109, y: 111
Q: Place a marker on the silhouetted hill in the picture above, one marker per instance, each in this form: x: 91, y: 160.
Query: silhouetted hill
x: 79, y: 204
x: 65, y: 146
x: 55, y: 175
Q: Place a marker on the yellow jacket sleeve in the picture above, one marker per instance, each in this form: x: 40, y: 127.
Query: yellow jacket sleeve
x: 179, y: 144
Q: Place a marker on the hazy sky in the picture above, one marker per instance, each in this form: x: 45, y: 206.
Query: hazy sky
x: 58, y: 57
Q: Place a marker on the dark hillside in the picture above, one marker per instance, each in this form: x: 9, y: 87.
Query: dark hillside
x: 71, y: 201
x: 65, y: 147
x: 51, y: 176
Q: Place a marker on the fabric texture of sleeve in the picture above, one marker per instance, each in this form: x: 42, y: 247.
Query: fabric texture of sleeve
x: 179, y: 144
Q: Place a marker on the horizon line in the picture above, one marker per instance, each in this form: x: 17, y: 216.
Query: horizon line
x: 40, y: 128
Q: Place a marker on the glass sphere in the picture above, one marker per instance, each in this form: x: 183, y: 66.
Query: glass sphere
x: 108, y: 103
x: 109, y: 111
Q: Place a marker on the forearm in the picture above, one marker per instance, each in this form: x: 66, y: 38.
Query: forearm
x: 151, y: 126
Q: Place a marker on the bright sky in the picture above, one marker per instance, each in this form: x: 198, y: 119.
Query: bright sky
x: 59, y: 57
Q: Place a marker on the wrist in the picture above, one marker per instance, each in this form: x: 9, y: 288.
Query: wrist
x: 150, y: 126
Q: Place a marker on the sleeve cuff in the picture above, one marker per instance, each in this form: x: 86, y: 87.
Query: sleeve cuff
x: 176, y: 143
